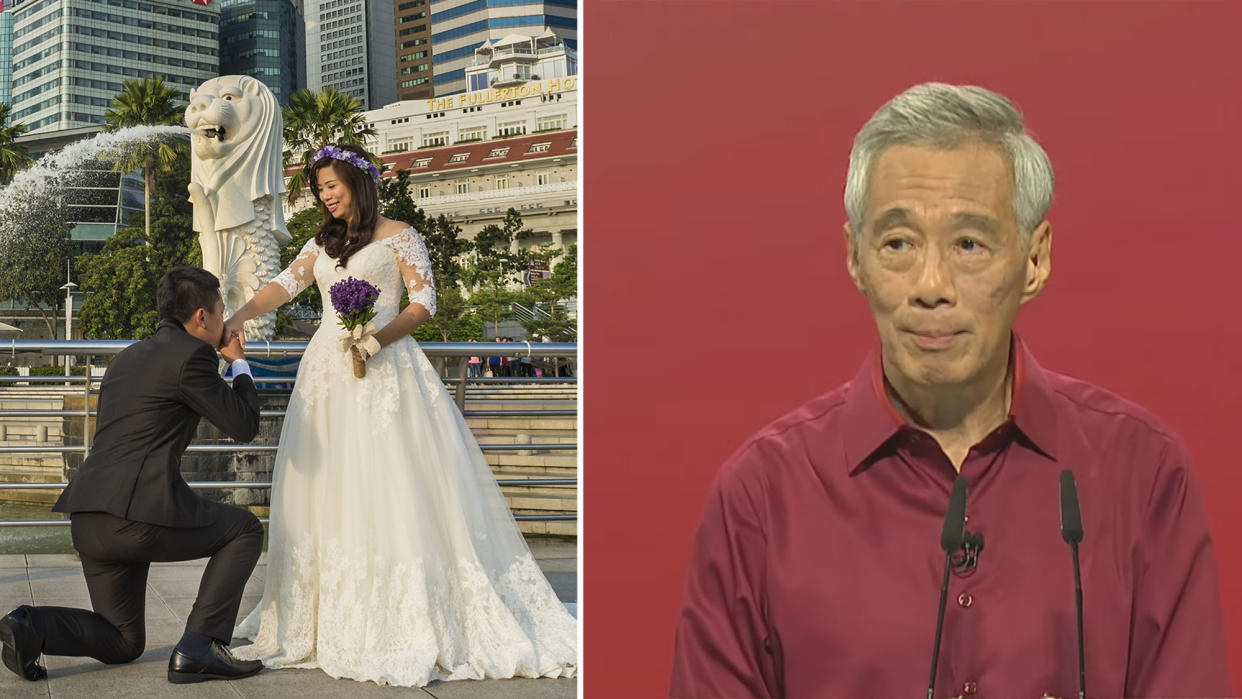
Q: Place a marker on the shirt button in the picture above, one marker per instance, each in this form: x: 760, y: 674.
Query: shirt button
x: 970, y: 688
x: 965, y: 600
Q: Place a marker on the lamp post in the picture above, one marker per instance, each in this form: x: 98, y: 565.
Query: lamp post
x: 68, y: 287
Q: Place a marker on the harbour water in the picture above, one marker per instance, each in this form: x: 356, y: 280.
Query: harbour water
x: 33, y: 539
x: 47, y: 539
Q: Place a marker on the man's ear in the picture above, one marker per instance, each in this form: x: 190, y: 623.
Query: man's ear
x: 1038, y: 261
x: 851, y: 257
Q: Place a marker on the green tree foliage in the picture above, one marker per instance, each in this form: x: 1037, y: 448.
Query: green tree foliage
x: 496, y: 267
x: 120, y: 280
x: 33, y: 249
x: 547, y: 297
x: 13, y: 156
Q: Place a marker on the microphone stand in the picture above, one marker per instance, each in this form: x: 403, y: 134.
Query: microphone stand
x: 1072, y: 532
x: 1082, y: 661
x: 950, y: 540
x: 944, y: 597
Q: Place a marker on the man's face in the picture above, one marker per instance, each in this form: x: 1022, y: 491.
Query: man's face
x: 215, y: 324
x: 208, y: 326
x: 942, y: 263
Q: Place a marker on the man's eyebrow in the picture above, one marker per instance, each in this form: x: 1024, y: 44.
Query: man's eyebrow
x: 896, y: 216
x: 980, y: 222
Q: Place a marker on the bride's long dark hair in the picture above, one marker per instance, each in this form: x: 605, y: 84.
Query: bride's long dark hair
x: 341, y: 239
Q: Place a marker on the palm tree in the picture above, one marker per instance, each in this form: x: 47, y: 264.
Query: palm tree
x: 13, y: 155
x: 145, y: 102
x: 315, y: 119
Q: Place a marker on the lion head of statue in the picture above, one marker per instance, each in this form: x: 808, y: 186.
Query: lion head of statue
x: 237, y: 141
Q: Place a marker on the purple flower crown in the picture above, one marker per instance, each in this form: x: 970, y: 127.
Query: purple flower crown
x: 352, y: 158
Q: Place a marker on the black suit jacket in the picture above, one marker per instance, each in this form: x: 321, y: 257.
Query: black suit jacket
x: 150, y: 402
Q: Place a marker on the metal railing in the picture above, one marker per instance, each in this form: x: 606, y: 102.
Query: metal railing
x: 439, y: 352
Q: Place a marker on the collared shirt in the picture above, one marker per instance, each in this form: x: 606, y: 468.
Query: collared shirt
x: 239, y: 367
x: 817, y: 568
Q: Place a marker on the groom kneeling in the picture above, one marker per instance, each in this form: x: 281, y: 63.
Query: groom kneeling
x: 130, y: 505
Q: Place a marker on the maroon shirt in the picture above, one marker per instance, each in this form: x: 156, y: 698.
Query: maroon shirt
x: 817, y: 569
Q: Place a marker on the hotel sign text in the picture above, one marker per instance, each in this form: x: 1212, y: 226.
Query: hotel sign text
x: 470, y: 99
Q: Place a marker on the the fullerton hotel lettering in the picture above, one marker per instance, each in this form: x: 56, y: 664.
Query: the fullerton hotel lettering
x: 470, y: 99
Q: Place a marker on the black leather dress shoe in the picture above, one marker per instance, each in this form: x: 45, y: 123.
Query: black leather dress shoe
x: 216, y: 664
x: 21, y: 645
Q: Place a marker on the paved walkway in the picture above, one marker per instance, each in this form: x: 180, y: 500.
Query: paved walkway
x: 56, y: 580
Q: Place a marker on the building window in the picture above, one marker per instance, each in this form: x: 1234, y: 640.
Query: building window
x: 439, y: 138
x: 540, y: 147
x: 421, y: 162
x: 498, y: 152
x: 476, y: 133
x: 424, y: 192
x: 513, y: 128
x: 399, y: 147
x: 502, y: 183
x: 550, y: 123
x: 459, y: 158
x: 463, y: 188
x: 541, y: 178
x: 413, y: 83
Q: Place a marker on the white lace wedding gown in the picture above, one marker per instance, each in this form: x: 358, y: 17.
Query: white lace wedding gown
x: 392, y: 555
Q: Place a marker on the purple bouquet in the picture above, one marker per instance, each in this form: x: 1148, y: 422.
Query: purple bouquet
x: 354, y: 301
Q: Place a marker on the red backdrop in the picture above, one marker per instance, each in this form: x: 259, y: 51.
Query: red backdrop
x: 716, y: 138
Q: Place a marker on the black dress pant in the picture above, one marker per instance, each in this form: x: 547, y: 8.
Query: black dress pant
x: 117, y: 553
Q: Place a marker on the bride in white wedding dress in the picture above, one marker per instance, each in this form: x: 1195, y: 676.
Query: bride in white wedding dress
x: 392, y: 555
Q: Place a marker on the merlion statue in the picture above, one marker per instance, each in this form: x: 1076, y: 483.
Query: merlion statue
x: 236, y: 181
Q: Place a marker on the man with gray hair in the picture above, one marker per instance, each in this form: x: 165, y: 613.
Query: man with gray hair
x: 815, y: 571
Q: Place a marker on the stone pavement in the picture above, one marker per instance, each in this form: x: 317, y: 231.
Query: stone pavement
x: 56, y: 580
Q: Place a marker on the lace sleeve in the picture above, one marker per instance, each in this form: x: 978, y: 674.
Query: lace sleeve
x: 415, y: 266
x: 301, y: 272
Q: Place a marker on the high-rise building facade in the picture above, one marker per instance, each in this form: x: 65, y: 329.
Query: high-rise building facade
x: 414, y: 70
x: 459, y: 27
x: 515, y: 59
x: 351, y: 47
x: 6, y: 57
x: 71, y: 56
x: 263, y: 39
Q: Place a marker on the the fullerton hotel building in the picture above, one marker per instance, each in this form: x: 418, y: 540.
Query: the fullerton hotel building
x: 510, y: 141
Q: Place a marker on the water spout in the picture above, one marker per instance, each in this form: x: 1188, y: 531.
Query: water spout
x: 45, y: 181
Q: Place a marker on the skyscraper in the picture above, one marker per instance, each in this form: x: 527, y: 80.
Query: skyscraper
x: 6, y: 57
x: 351, y: 47
x: 263, y: 39
x: 458, y: 27
x: 413, y: 49
x: 71, y: 56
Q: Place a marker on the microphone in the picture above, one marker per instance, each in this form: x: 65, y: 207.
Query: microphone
x: 966, y: 560
x: 950, y: 540
x: 1071, y: 531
